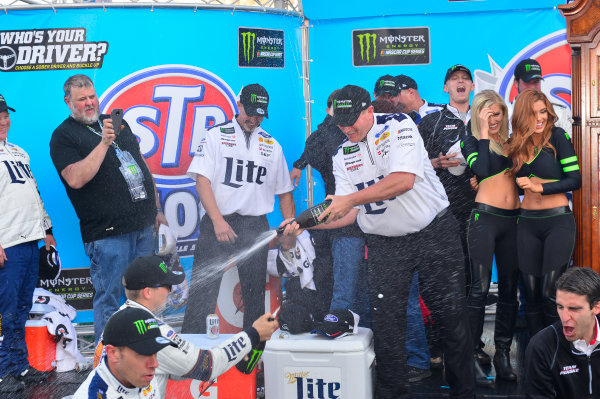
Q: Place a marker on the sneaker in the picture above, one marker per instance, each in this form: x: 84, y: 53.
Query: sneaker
x: 10, y: 384
x: 33, y: 375
x: 414, y: 374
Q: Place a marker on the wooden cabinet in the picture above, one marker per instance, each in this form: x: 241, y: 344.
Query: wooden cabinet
x: 583, y: 35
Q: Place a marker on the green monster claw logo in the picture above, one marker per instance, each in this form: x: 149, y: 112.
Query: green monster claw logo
x: 133, y: 170
x: 252, y: 98
x: 141, y: 326
x: 527, y: 67
x: 381, y: 83
x: 476, y: 216
x: 365, y: 41
x: 334, y: 104
x: 249, y: 40
x: 163, y: 267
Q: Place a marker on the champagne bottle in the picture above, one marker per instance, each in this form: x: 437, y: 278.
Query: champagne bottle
x: 249, y: 362
x: 309, y: 217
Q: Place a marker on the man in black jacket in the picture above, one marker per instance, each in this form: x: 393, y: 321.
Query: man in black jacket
x: 563, y: 360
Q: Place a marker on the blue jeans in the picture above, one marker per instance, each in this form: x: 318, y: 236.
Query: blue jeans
x: 109, y: 258
x: 417, y: 351
x: 17, y: 282
x: 350, y: 285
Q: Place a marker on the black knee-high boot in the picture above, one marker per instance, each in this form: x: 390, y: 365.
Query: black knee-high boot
x: 506, y: 314
x: 535, y: 318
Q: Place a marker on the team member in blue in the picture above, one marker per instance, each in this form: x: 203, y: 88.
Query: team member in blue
x: 492, y: 228
x: 545, y: 164
x: 23, y: 222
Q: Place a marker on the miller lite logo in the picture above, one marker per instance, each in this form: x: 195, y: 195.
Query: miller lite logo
x: 169, y: 109
x: 554, y: 55
x: 310, y: 383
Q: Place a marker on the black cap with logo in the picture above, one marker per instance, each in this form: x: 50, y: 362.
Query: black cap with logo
x: 136, y: 329
x: 405, y: 82
x: 49, y: 263
x: 337, y: 323
x: 295, y: 318
x: 150, y: 271
x: 528, y: 69
x: 386, y: 84
x: 348, y: 103
x: 3, y: 106
x: 457, y: 68
x: 255, y: 100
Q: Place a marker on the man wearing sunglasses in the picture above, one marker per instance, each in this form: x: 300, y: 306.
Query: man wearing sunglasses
x: 147, y: 282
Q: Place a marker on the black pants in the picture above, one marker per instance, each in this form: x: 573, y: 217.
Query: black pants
x: 210, y: 254
x: 545, y: 243
x: 493, y: 231
x: 436, y: 253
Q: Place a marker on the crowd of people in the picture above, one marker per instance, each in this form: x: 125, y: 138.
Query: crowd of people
x: 423, y: 198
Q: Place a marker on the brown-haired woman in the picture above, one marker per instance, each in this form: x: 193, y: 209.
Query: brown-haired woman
x: 492, y: 230
x: 546, y: 168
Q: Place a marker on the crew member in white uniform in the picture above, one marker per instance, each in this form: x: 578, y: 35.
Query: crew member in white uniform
x: 131, y: 339
x: 238, y: 168
x: 384, y: 176
x: 147, y: 282
x: 528, y: 75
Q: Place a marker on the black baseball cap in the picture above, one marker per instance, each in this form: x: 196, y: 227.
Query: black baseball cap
x: 337, y: 323
x: 386, y: 84
x: 255, y: 100
x: 295, y: 318
x: 49, y: 263
x: 3, y: 106
x: 136, y: 329
x: 150, y: 271
x: 456, y: 68
x: 406, y: 82
x: 348, y: 103
x: 528, y: 69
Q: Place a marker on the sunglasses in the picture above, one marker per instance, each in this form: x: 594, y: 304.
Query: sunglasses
x: 167, y: 286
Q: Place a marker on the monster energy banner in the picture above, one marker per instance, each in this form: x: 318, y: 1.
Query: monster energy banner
x: 260, y: 48
x: 74, y: 285
x: 400, y: 46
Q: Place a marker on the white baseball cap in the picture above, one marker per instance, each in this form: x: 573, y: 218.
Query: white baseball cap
x: 166, y: 241
x: 460, y: 168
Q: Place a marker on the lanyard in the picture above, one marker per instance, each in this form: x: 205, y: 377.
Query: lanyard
x: 91, y: 129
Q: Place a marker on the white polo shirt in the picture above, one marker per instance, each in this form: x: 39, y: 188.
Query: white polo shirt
x: 392, y: 145
x: 244, y: 176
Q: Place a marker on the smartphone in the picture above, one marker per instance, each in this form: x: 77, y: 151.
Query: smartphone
x: 116, y: 115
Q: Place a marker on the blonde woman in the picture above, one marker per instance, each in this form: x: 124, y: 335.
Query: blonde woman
x: 492, y: 228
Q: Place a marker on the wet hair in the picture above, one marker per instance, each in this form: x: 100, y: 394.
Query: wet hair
x: 331, y: 97
x: 484, y: 99
x: 383, y: 107
x: 78, y: 81
x: 581, y: 281
x: 523, y: 127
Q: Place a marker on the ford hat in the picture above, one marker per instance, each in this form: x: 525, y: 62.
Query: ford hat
x: 136, y: 329
x: 386, y: 84
x: 457, y: 68
x: 49, y: 263
x: 348, y: 103
x: 150, y: 271
x: 295, y: 318
x: 3, y: 106
x: 528, y: 69
x: 405, y: 82
x: 255, y: 100
x: 337, y: 323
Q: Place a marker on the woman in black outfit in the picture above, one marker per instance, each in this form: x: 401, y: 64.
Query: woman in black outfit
x: 492, y: 229
x: 545, y: 165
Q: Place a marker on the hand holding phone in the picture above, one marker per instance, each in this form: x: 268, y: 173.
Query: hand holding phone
x: 116, y: 115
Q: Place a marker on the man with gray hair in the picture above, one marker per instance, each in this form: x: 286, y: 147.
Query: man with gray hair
x: 563, y: 360
x: 111, y: 188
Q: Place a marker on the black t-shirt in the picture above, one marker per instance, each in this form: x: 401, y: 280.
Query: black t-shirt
x: 104, y: 204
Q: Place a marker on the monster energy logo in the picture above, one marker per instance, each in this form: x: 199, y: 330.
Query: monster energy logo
x: 133, y: 170
x: 252, y: 98
x: 249, y: 40
x: 163, y: 267
x: 141, y: 326
x: 381, y: 83
x: 527, y: 67
x: 365, y: 40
